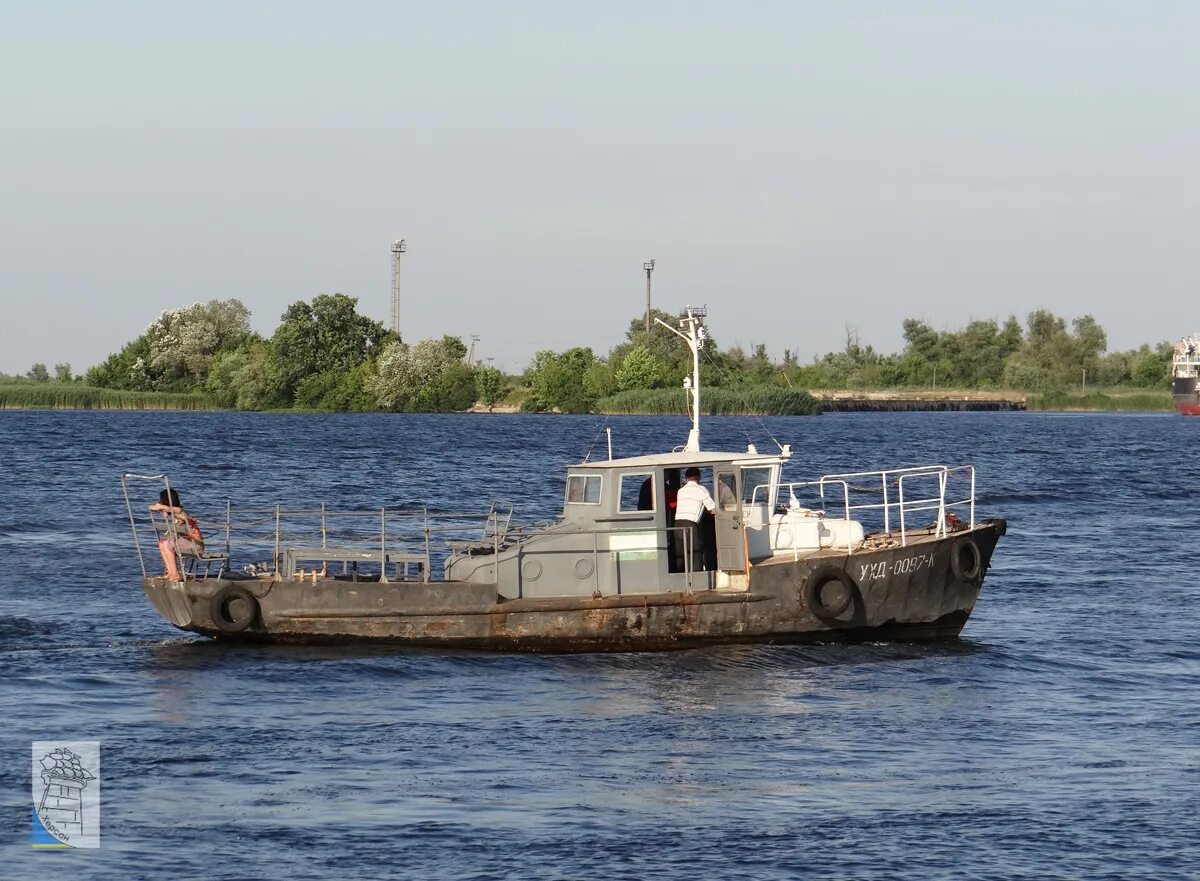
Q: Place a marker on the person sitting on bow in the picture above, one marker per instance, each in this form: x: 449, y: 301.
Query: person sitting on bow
x: 182, y: 536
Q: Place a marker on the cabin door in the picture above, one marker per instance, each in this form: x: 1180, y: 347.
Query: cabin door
x: 731, y: 547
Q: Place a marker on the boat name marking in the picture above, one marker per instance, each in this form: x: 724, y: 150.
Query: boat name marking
x: 903, y: 566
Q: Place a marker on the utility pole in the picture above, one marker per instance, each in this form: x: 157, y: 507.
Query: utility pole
x: 398, y: 250
x: 471, y: 354
x: 649, y: 267
x: 1083, y: 382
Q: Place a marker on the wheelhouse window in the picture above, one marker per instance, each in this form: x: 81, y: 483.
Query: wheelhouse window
x: 727, y: 491
x: 756, y: 477
x: 583, y: 489
x: 637, y: 493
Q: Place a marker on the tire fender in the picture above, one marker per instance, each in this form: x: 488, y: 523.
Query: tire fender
x: 813, y: 592
x: 966, y: 561
x: 233, y: 608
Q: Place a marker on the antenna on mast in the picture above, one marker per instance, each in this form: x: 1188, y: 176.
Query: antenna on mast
x: 649, y: 267
x: 694, y: 334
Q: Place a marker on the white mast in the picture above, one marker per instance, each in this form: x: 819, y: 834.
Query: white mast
x: 694, y: 337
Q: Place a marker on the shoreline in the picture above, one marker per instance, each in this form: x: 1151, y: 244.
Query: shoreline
x: 516, y: 411
x: 831, y: 400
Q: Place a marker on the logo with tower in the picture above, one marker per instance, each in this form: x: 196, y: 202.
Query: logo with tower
x: 66, y: 794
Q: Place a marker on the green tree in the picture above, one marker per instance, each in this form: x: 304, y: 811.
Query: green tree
x: 1011, y: 335
x: 338, y: 391
x: 38, y: 373
x: 1115, y: 368
x: 183, y: 342
x: 327, y: 337
x: 237, y: 380
x: 661, y: 342
x: 125, y: 369
x: 760, y: 366
x: 455, y: 389
x: 600, y: 379
x: 1090, y: 340
x: 62, y: 373
x: 1152, y: 368
x: 407, y: 376
x: 921, y: 340
x: 980, y: 354
x: 557, y: 380
x: 456, y: 349
x: 177, y: 349
x: 489, y: 384
x: 641, y: 368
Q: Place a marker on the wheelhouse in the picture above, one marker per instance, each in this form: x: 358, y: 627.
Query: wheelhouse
x: 633, y: 500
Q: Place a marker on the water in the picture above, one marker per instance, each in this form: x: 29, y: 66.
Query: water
x: 1059, y: 738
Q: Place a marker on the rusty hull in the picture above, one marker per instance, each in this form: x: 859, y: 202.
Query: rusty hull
x: 907, y: 593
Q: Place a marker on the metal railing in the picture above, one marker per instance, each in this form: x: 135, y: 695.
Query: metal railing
x: 273, y: 539
x: 887, y: 489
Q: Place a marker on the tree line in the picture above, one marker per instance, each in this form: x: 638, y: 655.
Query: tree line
x: 324, y: 355
x: 1043, y: 355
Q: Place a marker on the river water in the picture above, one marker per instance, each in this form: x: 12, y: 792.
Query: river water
x: 1060, y: 737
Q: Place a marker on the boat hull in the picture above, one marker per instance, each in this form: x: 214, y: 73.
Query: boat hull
x: 1186, y: 395
x: 923, y: 591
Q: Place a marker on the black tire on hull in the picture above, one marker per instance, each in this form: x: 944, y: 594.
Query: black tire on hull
x: 966, y: 562
x: 832, y: 602
x: 233, y: 609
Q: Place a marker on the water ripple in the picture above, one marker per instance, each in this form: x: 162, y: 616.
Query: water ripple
x: 1059, y: 738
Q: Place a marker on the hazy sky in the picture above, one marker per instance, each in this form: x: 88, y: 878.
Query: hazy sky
x: 796, y: 166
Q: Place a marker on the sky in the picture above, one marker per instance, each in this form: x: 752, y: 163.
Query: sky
x: 800, y: 168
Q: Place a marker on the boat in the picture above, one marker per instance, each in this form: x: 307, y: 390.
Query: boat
x: 1185, y: 371
x: 895, y: 554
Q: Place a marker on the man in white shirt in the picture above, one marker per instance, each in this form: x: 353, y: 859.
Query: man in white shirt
x: 690, y: 504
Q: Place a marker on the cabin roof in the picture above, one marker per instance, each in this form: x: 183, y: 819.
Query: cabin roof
x: 683, y: 459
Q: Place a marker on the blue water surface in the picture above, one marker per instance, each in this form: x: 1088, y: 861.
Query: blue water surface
x: 1058, y: 738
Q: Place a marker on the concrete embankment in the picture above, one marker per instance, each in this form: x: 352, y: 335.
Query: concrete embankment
x: 899, y: 402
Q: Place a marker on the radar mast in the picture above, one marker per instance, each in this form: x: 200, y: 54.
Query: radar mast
x: 694, y: 334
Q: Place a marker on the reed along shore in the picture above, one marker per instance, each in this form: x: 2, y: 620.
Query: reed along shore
x: 64, y: 396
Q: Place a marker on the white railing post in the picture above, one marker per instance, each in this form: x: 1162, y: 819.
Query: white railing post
x: 903, y: 528
x: 596, y: 563
x: 383, y: 545
x: 846, y: 515
x: 887, y: 529
x: 427, y: 563
x: 137, y: 542
x: 941, y: 518
x: 972, y: 467
x: 277, y: 542
x: 687, y: 556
